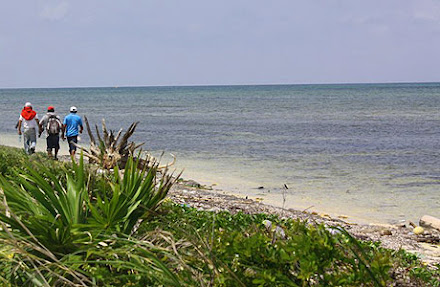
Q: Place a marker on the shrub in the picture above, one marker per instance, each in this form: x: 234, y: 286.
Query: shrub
x: 54, y: 227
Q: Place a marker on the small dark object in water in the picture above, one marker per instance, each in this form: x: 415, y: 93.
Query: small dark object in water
x: 285, y: 186
x: 260, y: 187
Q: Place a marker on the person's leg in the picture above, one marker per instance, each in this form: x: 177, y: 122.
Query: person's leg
x: 69, y: 141
x: 49, y: 147
x: 72, y: 147
x: 26, y: 141
x: 56, y: 145
x: 33, y: 140
x: 30, y: 139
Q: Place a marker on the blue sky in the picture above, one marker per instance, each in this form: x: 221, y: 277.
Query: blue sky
x: 61, y: 43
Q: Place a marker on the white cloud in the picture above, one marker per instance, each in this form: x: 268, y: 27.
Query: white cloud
x: 427, y: 11
x: 55, y: 11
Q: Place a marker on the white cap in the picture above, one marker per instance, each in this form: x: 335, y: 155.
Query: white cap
x: 73, y: 109
x: 28, y: 104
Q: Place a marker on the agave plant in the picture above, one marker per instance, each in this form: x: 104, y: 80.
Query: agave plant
x: 53, y: 224
x: 53, y: 212
x: 42, y: 207
x: 133, y: 197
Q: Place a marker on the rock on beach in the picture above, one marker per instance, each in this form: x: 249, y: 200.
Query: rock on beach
x: 428, y: 221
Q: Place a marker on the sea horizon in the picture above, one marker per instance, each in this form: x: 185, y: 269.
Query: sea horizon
x: 223, y: 85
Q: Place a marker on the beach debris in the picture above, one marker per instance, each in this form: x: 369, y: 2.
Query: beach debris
x: 332, y: 230
x: 191, y: 183
x: 418, y: 230
x: 267, y: 224
x: 430, y: 222
x: 385, y: 232
x: 279, y: 232
x: 215, y: 209
x: 113, y: 149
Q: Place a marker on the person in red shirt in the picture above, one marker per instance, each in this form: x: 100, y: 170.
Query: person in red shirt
x: 29, y: 120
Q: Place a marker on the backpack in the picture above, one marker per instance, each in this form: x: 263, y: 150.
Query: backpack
x: 53, y: 125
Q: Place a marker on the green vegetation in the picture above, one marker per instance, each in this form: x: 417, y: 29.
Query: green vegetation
x: 65, y: 224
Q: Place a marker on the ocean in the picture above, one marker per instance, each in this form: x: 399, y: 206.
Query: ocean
x: 368, y: 152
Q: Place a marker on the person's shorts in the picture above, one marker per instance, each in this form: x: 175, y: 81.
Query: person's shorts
x: 71, y: 141
x: 53, y: 141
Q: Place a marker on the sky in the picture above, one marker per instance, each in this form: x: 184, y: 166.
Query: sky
x: 92, y: 43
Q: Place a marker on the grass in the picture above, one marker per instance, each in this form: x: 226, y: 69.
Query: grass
x: 65, y: 225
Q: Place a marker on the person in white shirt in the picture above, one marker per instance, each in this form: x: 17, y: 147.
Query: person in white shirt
x: 29, y: 120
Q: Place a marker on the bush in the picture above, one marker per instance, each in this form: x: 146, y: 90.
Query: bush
x: 56, y: 224
x: 241, y: 250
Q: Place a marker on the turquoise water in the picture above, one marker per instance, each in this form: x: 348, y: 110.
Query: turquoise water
x: 368, y: 151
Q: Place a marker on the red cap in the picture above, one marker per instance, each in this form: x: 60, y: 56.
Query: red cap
x: 50, y: 108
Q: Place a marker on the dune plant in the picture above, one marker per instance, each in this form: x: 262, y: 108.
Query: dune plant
x: 133, y: 197
x: 55, y: 228
x: 239, y: 250
x: 41, y: 205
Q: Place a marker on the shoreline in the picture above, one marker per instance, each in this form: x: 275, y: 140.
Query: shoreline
x: 425, y: 246
x: 242, y: 181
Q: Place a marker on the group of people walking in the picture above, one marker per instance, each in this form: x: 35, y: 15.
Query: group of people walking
x: 69, y: 128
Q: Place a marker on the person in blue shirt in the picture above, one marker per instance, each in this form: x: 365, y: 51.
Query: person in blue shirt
x: 72, y: 126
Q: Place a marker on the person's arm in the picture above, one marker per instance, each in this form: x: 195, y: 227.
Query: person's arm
x: 80, y: 125
x: 63, y: 129
x: 19, y: 127
x: 39, y: 127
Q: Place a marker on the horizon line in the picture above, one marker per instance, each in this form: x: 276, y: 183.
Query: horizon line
x: 221, y: 85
